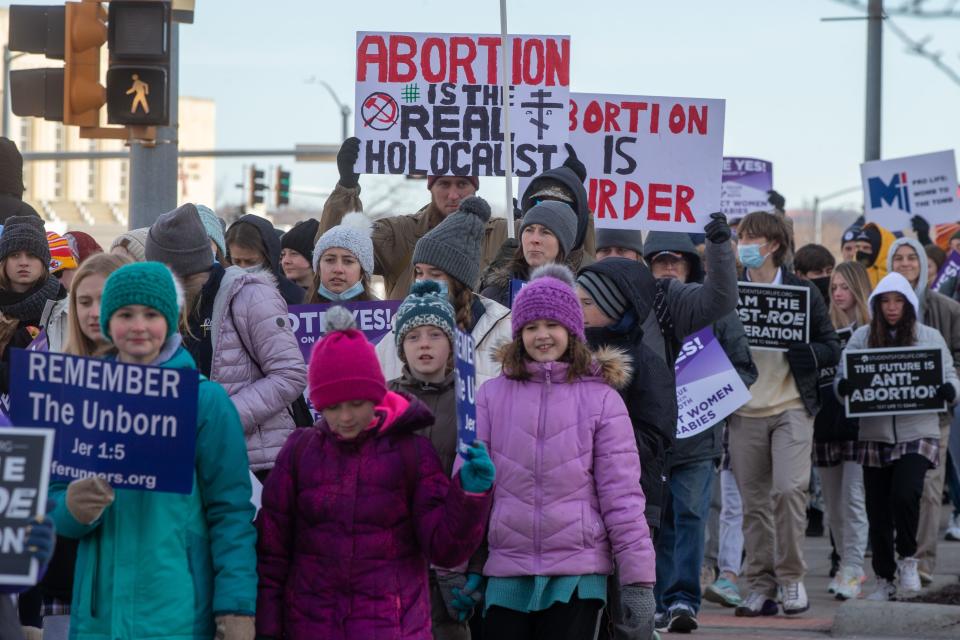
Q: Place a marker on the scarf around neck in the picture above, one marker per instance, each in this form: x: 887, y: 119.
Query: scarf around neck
x: 29, y: 304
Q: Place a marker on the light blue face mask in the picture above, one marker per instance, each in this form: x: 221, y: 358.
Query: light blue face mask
x: 347, y: 294
x: 750, y: 255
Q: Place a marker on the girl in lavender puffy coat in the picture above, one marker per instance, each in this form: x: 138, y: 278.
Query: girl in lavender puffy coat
x: 568, y: 502
x: 358, y: 506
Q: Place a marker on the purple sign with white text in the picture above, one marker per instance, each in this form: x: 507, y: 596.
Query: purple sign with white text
x: 708, y: 386
x: 744, y: 186
x: 374, y: 319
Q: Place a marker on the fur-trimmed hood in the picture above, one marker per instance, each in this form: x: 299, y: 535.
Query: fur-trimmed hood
x: 611, y: 365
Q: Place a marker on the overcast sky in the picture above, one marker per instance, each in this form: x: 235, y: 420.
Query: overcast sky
x: 794, y: 85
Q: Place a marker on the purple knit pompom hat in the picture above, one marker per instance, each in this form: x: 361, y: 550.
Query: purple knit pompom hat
x: 550, y: 295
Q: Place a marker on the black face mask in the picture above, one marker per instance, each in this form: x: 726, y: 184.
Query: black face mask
x: 864, y: 258
x: 823, y: 284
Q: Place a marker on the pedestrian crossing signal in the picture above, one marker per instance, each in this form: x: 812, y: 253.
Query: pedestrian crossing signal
x: 138, y: 79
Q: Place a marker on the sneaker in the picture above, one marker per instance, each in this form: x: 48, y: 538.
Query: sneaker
x: 661, y: 621
x: 953, y: 529
x: 795, y: 598
x: 756, y: 605
x: 884, y: 591
x: 707, y: 575
x: 835, y: 583
x: 849, y: 583
x: 723, y: 592
x: 908, y: 578
x: 683, y: 619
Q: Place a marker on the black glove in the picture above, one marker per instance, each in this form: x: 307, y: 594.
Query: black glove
x: 946, y: 392
x: 776, y: 200
x: 346, y: 159
x: 573, y: 162
x: 922, y: 228
x: 717, y: 230
x: 844, y: 388
x: 801, y: 358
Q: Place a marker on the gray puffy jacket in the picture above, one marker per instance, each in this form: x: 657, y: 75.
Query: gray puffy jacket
x: 257, y: 360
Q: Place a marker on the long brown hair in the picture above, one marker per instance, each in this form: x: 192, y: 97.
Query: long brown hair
x: 101, y: 264
x: 461, y: 297
x: 244, y: 234
x: 854, y: 274
x: 904, y: 333
x: 516, y: 358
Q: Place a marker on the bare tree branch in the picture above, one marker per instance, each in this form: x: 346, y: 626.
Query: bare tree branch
x: 917, y: 9
x: 913, y: 8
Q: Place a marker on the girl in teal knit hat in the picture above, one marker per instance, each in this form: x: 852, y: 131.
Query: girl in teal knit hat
x: 198, y: 547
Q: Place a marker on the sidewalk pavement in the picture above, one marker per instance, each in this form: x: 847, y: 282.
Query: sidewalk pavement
x: 719, y: 623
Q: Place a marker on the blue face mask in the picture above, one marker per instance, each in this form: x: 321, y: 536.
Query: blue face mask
x: 750, y: 255
x: 347, y: 294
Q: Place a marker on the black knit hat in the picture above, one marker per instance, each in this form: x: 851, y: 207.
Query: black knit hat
x: 25, y: 233
x: 300, y: 238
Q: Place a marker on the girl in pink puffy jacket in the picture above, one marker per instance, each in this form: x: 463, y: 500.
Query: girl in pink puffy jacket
x: 567, y: 504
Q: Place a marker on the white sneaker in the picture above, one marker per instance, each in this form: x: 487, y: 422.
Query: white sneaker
x: 795, y: 598
x: 849, y: 581
x: 953, y: 529
x: 908, y: 578
x: 884, y: 591
x: 835, y: 583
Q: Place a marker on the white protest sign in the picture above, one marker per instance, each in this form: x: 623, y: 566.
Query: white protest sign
x: 652, y: 162
x: 896, y: 190
x: 432, y: 103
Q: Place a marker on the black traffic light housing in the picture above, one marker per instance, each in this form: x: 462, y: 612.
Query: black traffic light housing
x: 257, y: 186
x: 282, y: 187
x: 37, y: 29
x: 138, y: 78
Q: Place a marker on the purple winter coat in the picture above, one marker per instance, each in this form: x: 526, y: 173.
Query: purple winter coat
x: 348, y: 528
x: 567, y: 499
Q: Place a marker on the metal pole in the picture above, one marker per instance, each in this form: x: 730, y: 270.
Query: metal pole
x: 4, y: 128
x: 154, y: 169
x: 874, y: 96
x: 507, y: 141
x: 817, y: 222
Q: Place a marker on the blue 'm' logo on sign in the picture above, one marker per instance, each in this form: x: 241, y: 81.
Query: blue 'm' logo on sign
x: 894, y: 194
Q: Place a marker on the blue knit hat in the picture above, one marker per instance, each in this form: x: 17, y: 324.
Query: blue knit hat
x: 426, y: 304
x: 147, y: 283
x: 213, y: 227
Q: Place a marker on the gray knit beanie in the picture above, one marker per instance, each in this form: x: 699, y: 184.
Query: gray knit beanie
x: 622, y: 238
x: 453, y: 246
x: 25, y: 233
x: 134, y: 242
x: 179, y: 240
x: 605, y: 293
x: 352, y: 234
x: 556, y: 216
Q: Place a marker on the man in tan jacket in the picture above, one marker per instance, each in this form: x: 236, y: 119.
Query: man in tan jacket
x: 395, y: 237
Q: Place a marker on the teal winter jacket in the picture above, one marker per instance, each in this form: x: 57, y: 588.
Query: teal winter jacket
x: 163, y: 565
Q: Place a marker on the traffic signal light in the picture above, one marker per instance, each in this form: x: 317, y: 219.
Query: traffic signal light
x: 84, y: 34
x: 37, y: 29
x: 138, y: 78
x: 257, y: 186
x: 282, y: 187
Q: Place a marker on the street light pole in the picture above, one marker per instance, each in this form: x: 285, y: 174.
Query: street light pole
x: 871, y: 150
x: 5, y: 116
x: 818, y: 214
x: 345, y: 110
